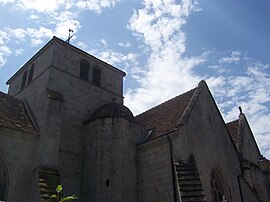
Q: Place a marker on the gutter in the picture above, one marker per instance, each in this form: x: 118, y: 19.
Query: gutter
x: 240, y: 188
x: 172, y: 170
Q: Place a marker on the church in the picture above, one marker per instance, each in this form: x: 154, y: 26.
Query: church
x: 63, y: 122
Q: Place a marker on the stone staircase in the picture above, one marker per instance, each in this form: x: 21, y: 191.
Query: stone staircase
x: 49, y: 178
x: 189, y: 183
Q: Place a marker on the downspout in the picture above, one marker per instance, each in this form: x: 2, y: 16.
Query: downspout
x: 240, y: 188
x: 172, y: 170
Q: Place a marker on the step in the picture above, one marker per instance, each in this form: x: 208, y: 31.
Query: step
x: 186, y: 172
x: 192, y: 193
x: 191, y: 188
x: 188, y: 177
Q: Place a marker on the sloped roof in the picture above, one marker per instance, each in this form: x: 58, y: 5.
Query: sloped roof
x: 67, y: 45
x: 233, y: 130
x: 13, y: 114
x: 168, y: 115
x: 113, y: 110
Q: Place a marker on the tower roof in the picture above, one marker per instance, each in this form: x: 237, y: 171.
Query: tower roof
x: 68, y: 46
x: 113, y: 110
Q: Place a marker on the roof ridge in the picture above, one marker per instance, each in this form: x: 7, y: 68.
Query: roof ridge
x: 191, y: 103
x: 230, y: 122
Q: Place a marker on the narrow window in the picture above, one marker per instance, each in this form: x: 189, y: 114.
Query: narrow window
x: 84, y: 70
x: 24, y: 79
x: 3, y: 181
x: 217, y: 190
x: 107, y: 183
x: 31, y: 73
x: 96, y: 76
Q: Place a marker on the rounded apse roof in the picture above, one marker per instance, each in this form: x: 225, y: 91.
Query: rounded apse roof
x: 113, y: 110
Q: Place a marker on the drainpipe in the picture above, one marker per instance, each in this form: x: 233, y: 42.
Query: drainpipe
x: 173, y: 170
x: 240, y: 188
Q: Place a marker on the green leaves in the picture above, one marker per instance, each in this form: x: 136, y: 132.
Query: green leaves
x: 73, y: 197
x: 58, y: 189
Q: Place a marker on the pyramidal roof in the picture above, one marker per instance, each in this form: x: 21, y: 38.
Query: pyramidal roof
x: 13, y: 114
x: 170, y: 114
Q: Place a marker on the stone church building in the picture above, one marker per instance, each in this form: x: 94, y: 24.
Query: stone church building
x: 63, y: 122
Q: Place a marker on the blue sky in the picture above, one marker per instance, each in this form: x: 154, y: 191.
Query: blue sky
x: 165, y: 46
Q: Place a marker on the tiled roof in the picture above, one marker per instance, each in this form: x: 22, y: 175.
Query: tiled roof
x: 166, y: 116
x: 13, y: 114
x: 233, y: 130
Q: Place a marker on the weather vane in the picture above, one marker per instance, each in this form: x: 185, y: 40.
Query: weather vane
x: 69, y: 35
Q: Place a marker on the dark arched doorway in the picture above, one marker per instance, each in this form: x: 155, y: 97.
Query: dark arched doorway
x: 219, y: 188
x: 3, y: 181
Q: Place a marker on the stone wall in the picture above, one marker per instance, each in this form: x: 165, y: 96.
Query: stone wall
x: 17, y: 151
x: 154, y: 171
x: 68, y: 58
x: 60, y: 119
x: 41, y: 61
x: 250, y: 149
x: 212, y: 146
x: 110, y: 161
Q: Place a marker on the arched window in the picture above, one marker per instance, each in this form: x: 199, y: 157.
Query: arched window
x: 84, y: 70
x: 218, y: 187
x: 3, y: 181
x: 96, y: 76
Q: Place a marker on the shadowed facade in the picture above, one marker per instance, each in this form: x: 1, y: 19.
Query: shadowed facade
x: 63, y: 122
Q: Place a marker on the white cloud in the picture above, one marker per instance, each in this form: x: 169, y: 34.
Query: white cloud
x: 6, y: 1
x: 4, y: 37
x: 4, y: 53
x: 64, y: 21
x: 40, y: 5
x: 19, y: 52
x: 103, y: 41
x: 122, y: 61
x: 82, y: 45
x: 96, y: 5
x: 126, y: 45
x: 159, y: 25
x: 234, y: 58
x: 38, y: 35
x: 33, y: 17
x: 18, y: 34
x: 52, y: 6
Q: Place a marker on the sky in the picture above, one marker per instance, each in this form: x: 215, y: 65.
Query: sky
x: 166, y: 47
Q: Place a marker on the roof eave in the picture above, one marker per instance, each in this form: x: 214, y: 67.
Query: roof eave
x: 34, y: 56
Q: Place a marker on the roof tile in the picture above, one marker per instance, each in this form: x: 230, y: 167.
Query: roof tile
x: 166, y: 116
x: 13, y: 114
x: 233, y: 130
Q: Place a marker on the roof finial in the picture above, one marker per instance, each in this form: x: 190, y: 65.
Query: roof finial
x: 240, y: 109
x: 69, y: 35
